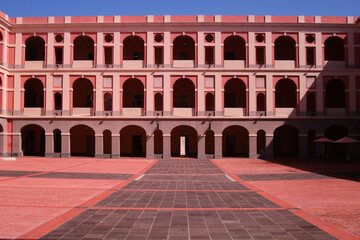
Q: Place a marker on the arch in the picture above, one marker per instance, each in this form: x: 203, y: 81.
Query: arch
x: 34, y: 93
x: 133, y: 141
x: 107, y: 142
x: 285, y: 48
x: 311, y: 103
x: 209, y: 102
x: 33, y: 140
x: 158, y: 142
x: 35, y: 49
x: 183, y: 48
x: 83, y: 48
x: 107, y: 102
x: 158, y: 102
x: 235, y: 141
x: 184, y: 93
x: 260, y: 102
x: 311, y: 145
x: 83, y: 92
x: 335, y: 94
x: 235, y: 93
x: 184, y: 141
x: 334, y: 49
x: 209, y: 142
x: 285, y: 94
x: 261, y: 142
x: 57, y: 141
x: 133, y: 48
x: 82, y: 141
x: 234, y: 48
x: 286, y: 141
x: 58, y: 101
x: 334, y: 133
x: 133, y: 93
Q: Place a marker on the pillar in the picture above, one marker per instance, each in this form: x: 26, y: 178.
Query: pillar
x: 302, y: 95
x: 218, y: 146
x: 16, y: 145
x: 253, y: 146
x: 115, y: 145
x: 201, y: 146
x: 49, y: 144
x: 65, y: 145
x: 319, y: 96
x: 269, y: 151
x: 99, y: 142
x: 166, y: 146
x: 252, y: 95
x: 167, y: 95
x: 150, y: 146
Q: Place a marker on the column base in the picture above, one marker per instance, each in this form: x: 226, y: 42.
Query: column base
x: 17, y: 154
x: 115, y: 156
x: 99, y: 155
x: 201, y: 156
x: 217, y: 156
x: 65, y: 155
x: 158, y: 156
x: 49, y: 155
x: 166, y: 156
x: 256, y: 156
x: 150, y: 156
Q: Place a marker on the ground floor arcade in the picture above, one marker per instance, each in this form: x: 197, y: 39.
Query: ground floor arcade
x: 164, y: 138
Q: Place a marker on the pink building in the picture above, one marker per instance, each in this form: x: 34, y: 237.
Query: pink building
x: 161, y: 86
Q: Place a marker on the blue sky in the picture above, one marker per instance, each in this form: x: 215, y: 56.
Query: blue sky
x: 31, y: 8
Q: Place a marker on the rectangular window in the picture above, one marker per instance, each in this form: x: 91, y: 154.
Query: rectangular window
x: 209, y: 55
x: 209, y: 82
x: 260, y: 55
x: 108, y: 82
x: 158, y: 82
x: 260, y: 82
x: 108, y: 55
x: 310, y: 56
x: 57, y: 81
x: 59, y: 55
x: 310, y: 82
x: 159, y: 55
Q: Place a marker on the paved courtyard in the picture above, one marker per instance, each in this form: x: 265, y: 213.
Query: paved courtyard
x: 231, y: 198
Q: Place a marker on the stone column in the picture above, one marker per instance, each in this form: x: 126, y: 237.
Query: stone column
x: 49, y: 144
x: 167, y: 146
x: 302, y: 95
x: 218, y: 145
x: 99, y: 152
x: 270, y: 91
x: 253, y: 146
x: 115, y: 145
x: 269, y: 151
x: 201, y: 146
x: 252, y: 95
x: 16, y: 145
x: 65, y: 145
x: 150, y: 146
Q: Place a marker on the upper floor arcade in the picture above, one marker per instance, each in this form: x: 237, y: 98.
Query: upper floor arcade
x: 236, y: 42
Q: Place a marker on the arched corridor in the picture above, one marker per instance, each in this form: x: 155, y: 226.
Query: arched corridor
x: 33, y: 140
x: 235, y: 142
x: 184, y: 142
x: 133, y: 141
x: 286, y: 141
x: 82, y: 139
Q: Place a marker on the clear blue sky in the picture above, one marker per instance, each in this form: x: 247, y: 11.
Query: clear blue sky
x: 31, y: 8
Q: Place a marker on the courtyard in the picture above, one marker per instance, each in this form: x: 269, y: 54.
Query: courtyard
x: 179, y: 198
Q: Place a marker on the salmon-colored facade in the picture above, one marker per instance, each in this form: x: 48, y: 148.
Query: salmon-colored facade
x: 195, y: 86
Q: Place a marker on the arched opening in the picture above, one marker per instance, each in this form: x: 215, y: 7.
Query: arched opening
x: 285, y: 94
x: 107, y: 142
x: 133, y: 48
x: 235, y: 142
x: 261, y: 142
x: 334, y: 49
x: 82, y: 141
x: 35, y: 49
x: 209, y: 102
x: 184, y: 93
x: 83, y: 48
x: 158, y: 142
x: 158, y: 102
x: 184, y: 141
x: 133, y: 141
x: 33, y: 140
x: 57, y: 141
x: 260, y: 102
x: 335, y: 94
x: 183, y: 48
x: 310, y: 104
x: 286, y: 141
x: 107, y: 102
x: 1, y: 37
x: 235, y: 93
x: 58, y: 101
x: 83, y: 91
x: 234, y: 48
x: 34, y: 93
x: 335, y: 150
x: 209, y: 142
x: 311, y: 145
x: 285, y: 48
x: 133, y: 93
